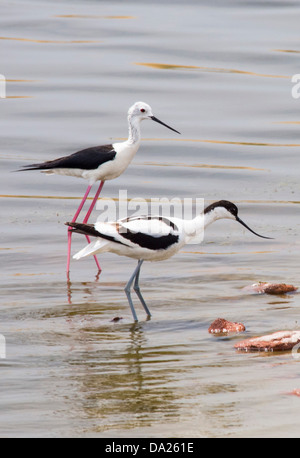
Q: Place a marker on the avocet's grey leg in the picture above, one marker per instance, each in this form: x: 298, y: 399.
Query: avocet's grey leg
x: 137, y: 289
x: 128, y: 292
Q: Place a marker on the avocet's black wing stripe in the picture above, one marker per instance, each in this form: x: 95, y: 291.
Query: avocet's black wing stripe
x: 162, y: 219
x: 89, y: 229
x: 151, y: 232
x: 87, y: 159
x: 150, y: 242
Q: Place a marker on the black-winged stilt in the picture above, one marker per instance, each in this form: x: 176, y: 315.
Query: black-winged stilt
x: 100, y: 163
x: 150, y: 238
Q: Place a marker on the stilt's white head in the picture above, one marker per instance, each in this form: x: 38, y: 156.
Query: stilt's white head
x: 140, y: 111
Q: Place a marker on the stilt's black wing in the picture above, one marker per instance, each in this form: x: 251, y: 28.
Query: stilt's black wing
x: 87, y: 159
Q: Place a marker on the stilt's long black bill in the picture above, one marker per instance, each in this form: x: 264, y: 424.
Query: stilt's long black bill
x: 160, y: 122
x: 247, y: 227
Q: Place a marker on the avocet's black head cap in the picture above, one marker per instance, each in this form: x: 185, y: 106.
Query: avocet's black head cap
x: 229, y: 206
x: 226, y: 209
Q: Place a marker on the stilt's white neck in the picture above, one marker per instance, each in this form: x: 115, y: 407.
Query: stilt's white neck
x: 134, y: 136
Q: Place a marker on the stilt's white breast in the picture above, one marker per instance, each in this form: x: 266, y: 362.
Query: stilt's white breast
x: 113, y: 169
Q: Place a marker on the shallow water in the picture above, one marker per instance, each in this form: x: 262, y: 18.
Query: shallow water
x: 219, y: 72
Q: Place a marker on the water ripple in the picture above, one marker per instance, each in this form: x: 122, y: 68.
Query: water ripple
x: 201, y: 166
x: 28, y: 40
x: 206, y: 69
x: 288, y: 51
x: 91, y: 16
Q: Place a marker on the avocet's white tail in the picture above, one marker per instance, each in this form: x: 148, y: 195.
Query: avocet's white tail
x: 99, y: 246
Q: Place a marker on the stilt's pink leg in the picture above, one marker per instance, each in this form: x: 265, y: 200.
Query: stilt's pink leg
x: 88, y: 216
x: 93, y: 203
x: 73, y: 221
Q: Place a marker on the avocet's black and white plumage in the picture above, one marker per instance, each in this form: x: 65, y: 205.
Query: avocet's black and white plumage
x: 150, y: 238
x: 100, y: 163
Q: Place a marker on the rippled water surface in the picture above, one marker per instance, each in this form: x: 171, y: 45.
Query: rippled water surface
x: 219, y: 72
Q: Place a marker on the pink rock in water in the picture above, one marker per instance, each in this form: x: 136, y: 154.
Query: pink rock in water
x: 282, y: 288
x: 270, y: 288
x: 278, y: 341
x: 296, y: 392
x: 222, y: 326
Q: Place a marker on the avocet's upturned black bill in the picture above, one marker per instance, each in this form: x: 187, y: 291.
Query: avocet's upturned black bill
x: 100, y: 163
x: 249, y: 229
x: 150, y: 238
x: 230, y: 211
